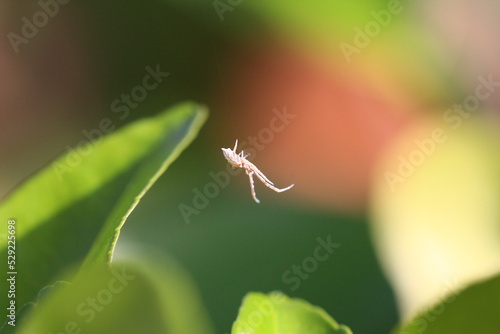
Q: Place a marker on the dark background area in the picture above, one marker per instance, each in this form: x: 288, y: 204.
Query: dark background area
x: 260, y: 57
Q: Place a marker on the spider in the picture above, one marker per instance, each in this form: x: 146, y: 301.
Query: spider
x: 240, y: 161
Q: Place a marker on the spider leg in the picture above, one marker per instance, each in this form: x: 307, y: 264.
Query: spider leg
x: 264, y: 177
x: 235, y: 145
x: 270, y: 185
x: 258, y: 172
x: 252, y: 186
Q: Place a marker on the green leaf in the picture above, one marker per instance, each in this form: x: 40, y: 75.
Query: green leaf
x: 73, y: 210
x: 19, y: 318
x: 438, y: 223
x: 276, y: 313
x: 142, y: 295
x: 475, y: 310
x: 319, y: 19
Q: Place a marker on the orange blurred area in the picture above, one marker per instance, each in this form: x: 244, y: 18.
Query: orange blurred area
x: 342, y: 99
x: 339, y: 122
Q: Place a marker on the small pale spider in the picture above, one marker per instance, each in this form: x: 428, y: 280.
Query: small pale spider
x: 240, y: 161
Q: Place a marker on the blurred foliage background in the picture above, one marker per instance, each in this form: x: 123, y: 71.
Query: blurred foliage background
x: 244, y: 59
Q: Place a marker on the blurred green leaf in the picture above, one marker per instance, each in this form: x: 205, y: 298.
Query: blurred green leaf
x: 15, y: 321
x: 475, y: 310
x: 74, y: 209
x: 141, y: 295
x: 438, y: 223
x: 317, y: 20
x: 222, y: 238
x: 276, y: 313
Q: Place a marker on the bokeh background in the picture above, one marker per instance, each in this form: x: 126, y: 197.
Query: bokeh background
x: 355, y: 114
